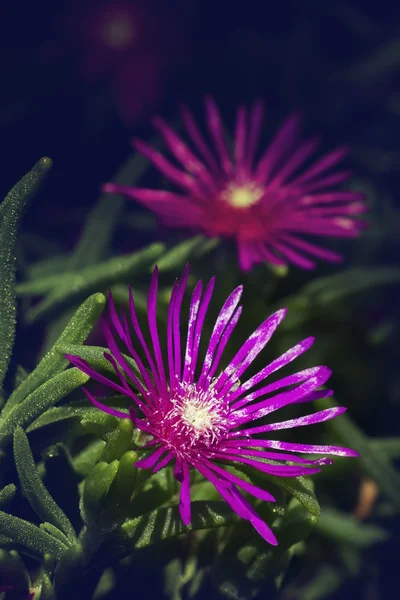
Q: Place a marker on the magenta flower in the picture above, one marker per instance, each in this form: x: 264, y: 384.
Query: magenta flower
x: 202, y: 420
x: 265, y: 204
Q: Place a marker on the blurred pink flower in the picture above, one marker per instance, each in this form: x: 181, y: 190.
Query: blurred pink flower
x: 132, y: 45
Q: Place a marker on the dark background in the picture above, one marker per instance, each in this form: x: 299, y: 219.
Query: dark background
x: 66, y: 93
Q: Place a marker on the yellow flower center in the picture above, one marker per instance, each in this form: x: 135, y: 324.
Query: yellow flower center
x: 242, y: 196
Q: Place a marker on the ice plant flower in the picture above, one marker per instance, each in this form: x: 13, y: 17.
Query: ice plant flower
x: 198, y: 419
x: 265, y: 203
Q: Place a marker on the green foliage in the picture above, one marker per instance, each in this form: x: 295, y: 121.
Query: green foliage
x: 53, y: 362
x: 374, y: 460
x: 38, y: 496
x: 246, y: 563
x: 345, y: 529
x: 165, y: 523
x: 11, y: 211
x: 68, y: 288
x: 29, y: 538
x: 45, y: 396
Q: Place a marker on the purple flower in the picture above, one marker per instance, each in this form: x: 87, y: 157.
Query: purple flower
x: 265, y: 204
x: 202, y: 420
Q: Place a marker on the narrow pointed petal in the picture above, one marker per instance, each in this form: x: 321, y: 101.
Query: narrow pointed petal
x: 182, y: 474
x: 216, y: 130
x: 318, y: 417
x: 249, y: 351
x: 107, y: 409
x: 275, y: 365
x: 180, y: 178
x: 222, y: 321
x: 198, y: 139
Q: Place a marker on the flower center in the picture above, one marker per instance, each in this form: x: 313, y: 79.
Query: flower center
x: 197, y: 416
x: 242, y: 196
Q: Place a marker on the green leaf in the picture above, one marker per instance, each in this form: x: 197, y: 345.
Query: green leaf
x: 121, y: 491
x: 88, y: 457
x: 389, y: 446
x: 103, y: 219
x: 247, y: 563
x: 53, y: 362
x: 36, y: 493
x: 80, y: 410
x: 7, y: 494
x: 41, y: 399
x: 29, y: 537
x: 164, y: 523
x: 46, y: 588
x: 98, y: 230
x: 352, y: 281
x: 87, y: 281
x: 119, y: 442
x: 373, y: 459
x: 56, y: 533
x: 344, y: 528
x: 324, y: 291
x: 301, y: 488
x: 180, y: 254
x: 95, y: 490
x: 94, y: 355
x: 11, y: 211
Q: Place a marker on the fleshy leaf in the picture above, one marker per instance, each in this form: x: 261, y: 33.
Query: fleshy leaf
x: 119, y: 442
x: 11, y: 211
x: 7, y: 494
x: 41, y: 399
x: 94, y: 355
x: 164, y: 523
x: 344, y: 528
x: 299, y: 487
x: 37, y: 494
x: 374, y: 460
x: 247, y: 564
x: 29, y: 537
x: 180, y: 254
x: 81, y: 410
x: 87, y: 281
x: 95, y: 490
x: 53, y: 362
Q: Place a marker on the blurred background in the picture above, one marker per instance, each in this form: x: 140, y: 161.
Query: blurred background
x: 80, y: 79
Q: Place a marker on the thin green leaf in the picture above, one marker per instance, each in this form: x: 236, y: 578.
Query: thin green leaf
x: 53, y: 362
x: 88, y: 457
x: 389, y: 446
x: 352, y: 281
x: 37, y: 494
x: 56, y: 533
x: 180, y: 254
x: 29, y: 537
x: 94, y: 355
x: 103, y: 219
x: 7, y: 494
x: 89, y: 280
x: 81, y: 410
x: 299, y: 487
x: 164, y: 523
x: 11, y: 211
x: 41, y: 399
x: 345, y: 529
x: 95, y: 490
x: 373, y: 459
